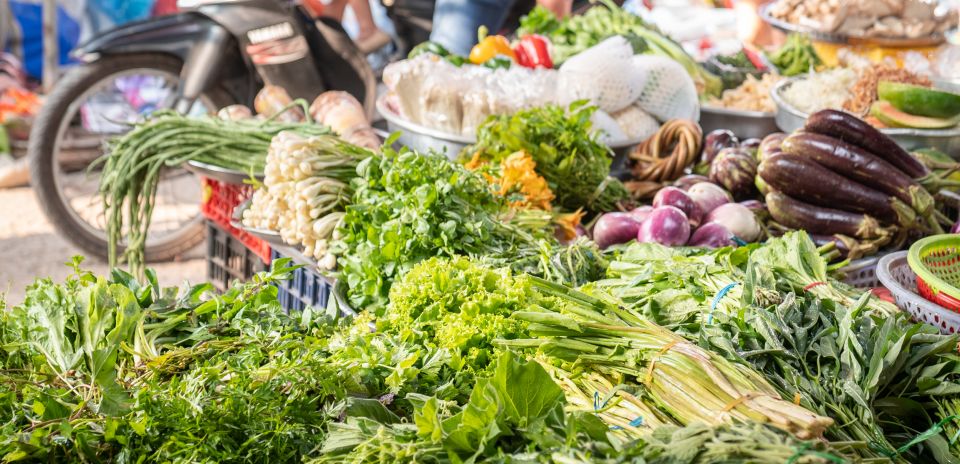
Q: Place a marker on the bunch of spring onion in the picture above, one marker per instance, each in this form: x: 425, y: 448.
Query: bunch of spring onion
x: 134, y: 162
x: 685, y: 381
x: 627, y: 412
x: 305, y: 190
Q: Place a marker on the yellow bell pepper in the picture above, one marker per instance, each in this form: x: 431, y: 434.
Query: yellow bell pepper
x: 489, y: 46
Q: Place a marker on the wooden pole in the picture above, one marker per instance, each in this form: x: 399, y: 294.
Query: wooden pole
x: 51, y: 50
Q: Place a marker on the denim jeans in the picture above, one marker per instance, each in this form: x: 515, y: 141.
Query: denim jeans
x: 455, y: 22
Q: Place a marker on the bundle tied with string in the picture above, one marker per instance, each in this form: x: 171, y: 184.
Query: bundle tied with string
x: 664, y: 157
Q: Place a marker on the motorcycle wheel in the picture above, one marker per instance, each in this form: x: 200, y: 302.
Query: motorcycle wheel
x: 82, y: 224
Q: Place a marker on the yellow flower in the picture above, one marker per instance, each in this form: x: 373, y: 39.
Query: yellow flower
x: 517, y: 173
x: 567, y: 224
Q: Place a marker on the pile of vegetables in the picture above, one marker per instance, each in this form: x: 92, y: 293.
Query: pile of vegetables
x: 305, y: 189
x: 135, y: 161
x: 567, y: 153
x: 842, y: 176
x: 469, y: 363
x: 855, y: 359
x: 407, y: 207
x: 572, y: 35
x: 796, y: 56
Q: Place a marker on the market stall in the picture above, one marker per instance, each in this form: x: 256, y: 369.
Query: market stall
x: 578, y: 245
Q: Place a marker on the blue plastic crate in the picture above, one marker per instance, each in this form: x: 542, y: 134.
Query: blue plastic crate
x: 307, y: 288
x: 228, y: 259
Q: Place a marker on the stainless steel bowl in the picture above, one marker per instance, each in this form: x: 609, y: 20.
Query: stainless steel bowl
x: 790, y: 119
x: 218, y: 173
x: 745, y: 124
x: 934, y: 39
x: 422, y: 138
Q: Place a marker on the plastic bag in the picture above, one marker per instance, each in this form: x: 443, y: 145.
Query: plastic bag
x: 669, y: 92
x: 603, y: 74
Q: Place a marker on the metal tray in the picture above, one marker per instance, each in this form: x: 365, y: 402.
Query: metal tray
x: 422, y: 138
x: 745, y: 124
x: 218, y: 173
x: 832, y: 37
x: 790, y: 119
x: 269, y: 236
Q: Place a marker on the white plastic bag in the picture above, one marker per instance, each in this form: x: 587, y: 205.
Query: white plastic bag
x: 603, y: 74
x: 669, y: 92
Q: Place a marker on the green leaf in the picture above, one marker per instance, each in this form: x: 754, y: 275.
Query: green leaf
x: 526, y: 389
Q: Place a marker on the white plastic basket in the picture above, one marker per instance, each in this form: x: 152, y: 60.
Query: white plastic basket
x: 862, y: 273
x: 895, y: 274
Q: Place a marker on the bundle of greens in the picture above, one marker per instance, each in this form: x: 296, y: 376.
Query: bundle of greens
x: 458, y: 307
x: 690, y: 384
x: 408, y: 207
x: 574, y: 34
x: 517, y: 415
x: 133, y: 165
x: 771, y: 307
x: 95, y: 370
x: 574, y: 163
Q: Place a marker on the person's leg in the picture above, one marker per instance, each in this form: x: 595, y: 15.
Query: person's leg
x: 369, y: 36
x: 455, y: 22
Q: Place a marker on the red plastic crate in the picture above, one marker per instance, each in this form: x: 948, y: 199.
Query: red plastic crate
x: 219, y: 201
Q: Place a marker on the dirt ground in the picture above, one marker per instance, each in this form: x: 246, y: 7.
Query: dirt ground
x: 30, y: 248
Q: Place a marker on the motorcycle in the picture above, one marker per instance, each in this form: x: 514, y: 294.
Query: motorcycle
x: 212, y: 54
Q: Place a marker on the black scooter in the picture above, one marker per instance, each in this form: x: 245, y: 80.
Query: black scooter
x: 215, y: 53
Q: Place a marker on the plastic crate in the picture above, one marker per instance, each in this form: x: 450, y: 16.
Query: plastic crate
x: 306, y: 288
x: 895, y: 274
x: 229, y: 259
x: 219, y: 200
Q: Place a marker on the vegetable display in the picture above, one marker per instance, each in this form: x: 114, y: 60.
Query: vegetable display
x: 511, y: 303
x: 842, y: 176
x: 135, y: 162
x: 572, y: 35
x: 574, y: 163
x: 305, y: 190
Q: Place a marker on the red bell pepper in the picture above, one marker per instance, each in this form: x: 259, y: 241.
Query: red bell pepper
x: 533, y: 51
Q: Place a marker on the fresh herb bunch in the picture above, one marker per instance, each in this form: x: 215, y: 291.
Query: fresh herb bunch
x: 840, y: 354
x: 409, y: 207
x: 572, y: 35
x: 574, y: 162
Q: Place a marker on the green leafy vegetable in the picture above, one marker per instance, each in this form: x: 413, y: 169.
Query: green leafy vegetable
x: 571, y: 159
x: 577, y: 33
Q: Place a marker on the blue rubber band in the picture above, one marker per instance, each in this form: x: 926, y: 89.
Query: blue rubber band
x: 634, y: 423
x: 716, y: 300
x: 739, y: 241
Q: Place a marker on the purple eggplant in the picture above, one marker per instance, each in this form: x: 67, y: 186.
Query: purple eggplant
x: 735, y: 170
x: 709, y: 196
x: 640, y: 213
x: 672, y: 196
x: 615, y: 228
x: 712, y: 235
x: 666, y: 225
x: 689, y: 180
x: 738, y: 219
x: 716, y: 141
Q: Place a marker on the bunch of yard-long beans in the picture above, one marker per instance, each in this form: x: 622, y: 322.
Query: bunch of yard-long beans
x: 133, y: 165
x: 685, y: 381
